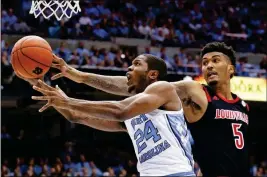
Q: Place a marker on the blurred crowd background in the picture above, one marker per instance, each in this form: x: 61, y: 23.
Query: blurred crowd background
x: 165, y: 23
x: 36, y: 144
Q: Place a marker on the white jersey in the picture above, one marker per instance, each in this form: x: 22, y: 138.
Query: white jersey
x: 161, y: 143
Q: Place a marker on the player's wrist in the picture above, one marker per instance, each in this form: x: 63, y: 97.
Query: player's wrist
x: 78, y: 76
x: 32, y: 83
x: 72, y: 73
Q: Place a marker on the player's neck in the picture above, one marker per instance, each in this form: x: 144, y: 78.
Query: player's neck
x: 224, y: 90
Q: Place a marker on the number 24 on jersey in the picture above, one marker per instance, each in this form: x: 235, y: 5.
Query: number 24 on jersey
x: 140, y: 136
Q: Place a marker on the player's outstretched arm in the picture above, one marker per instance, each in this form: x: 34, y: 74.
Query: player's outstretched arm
x: 34, y: 82
x: 75, y: 117
x: 99, y: 124
x: 104, y: 125
x: 155, y: 95
x: 111, y: 84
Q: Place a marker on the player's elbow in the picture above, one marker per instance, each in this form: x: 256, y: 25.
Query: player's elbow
x: 122, y: 114
x: 128, y: 112
x: 115, y: 111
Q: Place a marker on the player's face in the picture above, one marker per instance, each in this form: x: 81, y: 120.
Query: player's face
x: 216, y: 68
x: 137, y: 75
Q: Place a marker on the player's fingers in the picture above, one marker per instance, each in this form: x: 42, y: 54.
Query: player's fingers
x: 57, y: 76
x: 43, y: 91
x: 45, y: 86
x: 56, y: 59
x: 61, y: 91
x: 45, y: 107
x: 41, y: 98
x: 57, y: 66
x: 58, y: 88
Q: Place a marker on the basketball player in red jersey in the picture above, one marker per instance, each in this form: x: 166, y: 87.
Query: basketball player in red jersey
x: 217, y: 118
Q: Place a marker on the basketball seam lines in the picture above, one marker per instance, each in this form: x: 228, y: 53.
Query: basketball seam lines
x: 23, y: 66
x: 32, y: 46
x: 30, y: 57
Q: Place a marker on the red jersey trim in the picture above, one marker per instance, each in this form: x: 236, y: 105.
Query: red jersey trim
x: 207, y: 93
x: 247, y: 107
x: 228, y: 101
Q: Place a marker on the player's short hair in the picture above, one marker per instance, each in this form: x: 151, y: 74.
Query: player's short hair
x: 220, y: 47
x: 156, y: 63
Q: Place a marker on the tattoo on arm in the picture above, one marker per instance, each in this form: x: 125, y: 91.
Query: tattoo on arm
x: 110, y: 84
x: 189, y: 102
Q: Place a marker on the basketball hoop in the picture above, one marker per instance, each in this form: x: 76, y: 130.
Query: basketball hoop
x: 57, y: 8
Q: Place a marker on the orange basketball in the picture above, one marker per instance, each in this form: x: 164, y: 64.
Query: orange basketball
x: 31, y: 56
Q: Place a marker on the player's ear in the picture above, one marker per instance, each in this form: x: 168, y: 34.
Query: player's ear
x: 153, y: 74
x: 231, y: 69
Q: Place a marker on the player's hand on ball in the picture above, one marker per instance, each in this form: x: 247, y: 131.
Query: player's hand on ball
x: 54, y: 96
x: 60, y: 64
x: 66, y: 70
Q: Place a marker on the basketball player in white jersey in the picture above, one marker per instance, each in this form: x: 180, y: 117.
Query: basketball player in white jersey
x: 153, y: 118
x: 215, y: 157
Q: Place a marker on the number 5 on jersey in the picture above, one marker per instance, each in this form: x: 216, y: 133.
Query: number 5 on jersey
x: 150, y: 131
x: 239, y: 140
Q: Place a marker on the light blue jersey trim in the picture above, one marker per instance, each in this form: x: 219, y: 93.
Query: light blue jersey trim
x: 175, y: 120
x: 183, y: 174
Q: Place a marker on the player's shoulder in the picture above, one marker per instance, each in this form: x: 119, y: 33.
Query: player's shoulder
x: 161, y: 86
x: 187, y: 84
x: 244, y: 104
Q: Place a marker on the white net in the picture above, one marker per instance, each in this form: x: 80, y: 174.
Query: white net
x: 57, y: 8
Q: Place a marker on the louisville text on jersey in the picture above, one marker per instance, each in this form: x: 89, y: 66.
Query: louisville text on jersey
x: 230, y: 114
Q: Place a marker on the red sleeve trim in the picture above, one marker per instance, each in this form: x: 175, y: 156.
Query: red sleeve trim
x: 247, y: 107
